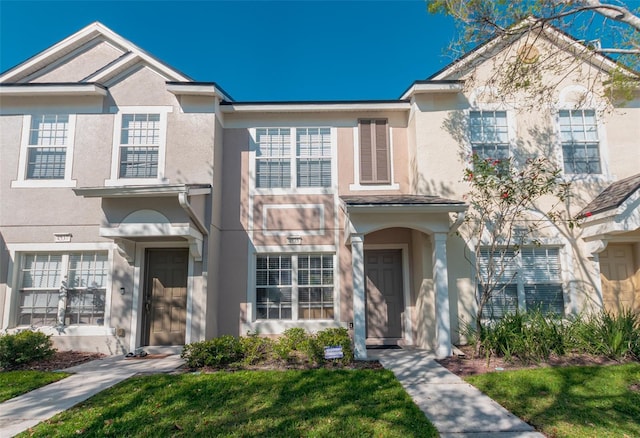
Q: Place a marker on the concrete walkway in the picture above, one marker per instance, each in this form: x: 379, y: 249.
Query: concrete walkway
x: 455, y: 408
x: 20, y: 413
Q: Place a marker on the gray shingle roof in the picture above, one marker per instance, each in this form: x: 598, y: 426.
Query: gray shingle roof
x: 613, y: 196
x: 398, y: 200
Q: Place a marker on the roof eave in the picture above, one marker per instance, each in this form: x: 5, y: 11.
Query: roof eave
x: 433, y: 87
x: 53, y: 89
x: 145, y: 191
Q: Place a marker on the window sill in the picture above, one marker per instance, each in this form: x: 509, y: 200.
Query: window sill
x: 135, y: 182
x: 293, y: 191
x: 373, y: 187
x: 43, y: 183
x: 71, y: 330
x: 277, y: 327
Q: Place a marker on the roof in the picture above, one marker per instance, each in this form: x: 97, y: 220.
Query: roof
x: 612, y: 197
x: 389, y: 200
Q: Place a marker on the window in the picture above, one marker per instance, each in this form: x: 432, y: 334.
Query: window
x: 489, y: 134
x: 294, y: 287
x: 374, y: 152
x: 531, y: 280
x: 580, y: 144
x: 48, y: 138
x: 275, y: 152
x: 139, y: 145
x: 47, y: 151
x: 67, y: 289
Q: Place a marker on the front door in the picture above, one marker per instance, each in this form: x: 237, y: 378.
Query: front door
x: 620, y: 282
x: 165, y: 298
x: 383, y: 269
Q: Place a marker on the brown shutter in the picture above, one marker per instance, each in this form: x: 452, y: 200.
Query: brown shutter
x: 366, y: 153
x: 374, y: 152
x: 382, y: 153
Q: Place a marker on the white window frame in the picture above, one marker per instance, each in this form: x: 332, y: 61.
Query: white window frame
x: 278, y: 326
x: 519, y: 282
x: 602, y: 146
x: 293, y: 157
x: 22, y: 180
x: 115, y: 179
x: 510, y: 127
x: 12, y: 294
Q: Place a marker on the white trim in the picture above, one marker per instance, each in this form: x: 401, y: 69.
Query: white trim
x: 406, y: 288
x: 319, y: 232
x: 300, y: 107
x: 115, y: 179
x: 603, y: 148
x: 74, y: 90
x: 17, y: 251
x: 293, y: 156
x: 22, y: 181
x: 275, y: 326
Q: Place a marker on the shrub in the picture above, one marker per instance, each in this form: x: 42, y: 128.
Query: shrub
x: 295, y: 345
x: 255, y: 349
x: 214, y: 352
x: 615, y: 336
x: 24, y: 347
x: 334, y: 337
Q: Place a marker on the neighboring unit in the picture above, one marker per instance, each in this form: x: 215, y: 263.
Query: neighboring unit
x: 142, y: 208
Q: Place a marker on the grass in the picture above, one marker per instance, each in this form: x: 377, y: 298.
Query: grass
x: 309, y: 403
x: 593, y: 401
x: 15, y: 383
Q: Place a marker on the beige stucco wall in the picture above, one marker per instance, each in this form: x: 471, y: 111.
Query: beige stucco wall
x: 81, y: 65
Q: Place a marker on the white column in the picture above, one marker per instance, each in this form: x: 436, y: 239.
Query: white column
x: 441, y: 285
x: 359, y: 311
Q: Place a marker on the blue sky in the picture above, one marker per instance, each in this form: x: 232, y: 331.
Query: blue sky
x: 255, y: 50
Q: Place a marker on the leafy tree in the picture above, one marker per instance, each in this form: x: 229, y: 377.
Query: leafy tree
x: 607, y: 28
x: 506, y: 212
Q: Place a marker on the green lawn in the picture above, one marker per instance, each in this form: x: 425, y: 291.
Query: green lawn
x: 598, y: 401
x: 14, y: 383
x: 311, y: 403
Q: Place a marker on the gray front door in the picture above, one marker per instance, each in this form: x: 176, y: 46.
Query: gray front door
x: 383, y: 270
x: 165, y: 301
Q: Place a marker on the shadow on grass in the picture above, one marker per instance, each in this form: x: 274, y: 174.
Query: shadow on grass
x: 248, y: 403
x: 571, y: 401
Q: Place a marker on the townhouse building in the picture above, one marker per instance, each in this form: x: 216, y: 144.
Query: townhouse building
x: 143, y: 208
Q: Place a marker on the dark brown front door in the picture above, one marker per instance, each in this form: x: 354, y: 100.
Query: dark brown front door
x: 165, y: 300
x: 383, y: 269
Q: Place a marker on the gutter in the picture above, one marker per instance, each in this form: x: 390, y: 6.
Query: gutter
x: 183, y: 199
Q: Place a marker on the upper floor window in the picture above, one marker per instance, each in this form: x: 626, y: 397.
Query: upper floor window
x: 293, y: 157
x: 47, y: 151
x: 139, y: 145
x: 580, y: 143
x: 530, y: 280
x: 295, y: 286
x: 375, y: 163
x: 489, y: 134
x: 63, y: 289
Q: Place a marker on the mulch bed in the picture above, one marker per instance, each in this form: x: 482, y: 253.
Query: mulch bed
x: 468, y: 365
x: 61, y: 360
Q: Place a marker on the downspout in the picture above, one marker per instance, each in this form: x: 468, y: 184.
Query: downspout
x: 459, y: 220
x: 183, y: 199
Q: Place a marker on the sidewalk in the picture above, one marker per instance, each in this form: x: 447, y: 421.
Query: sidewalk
x: 20, y: 413
x: 455, y: 408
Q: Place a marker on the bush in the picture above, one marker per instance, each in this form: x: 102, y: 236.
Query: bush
x: 334, y: 337
x: 606, y: 334
x: 24, y: 347
x: 296, y: 345
x: 531, y: 337
x: 213, y: 352
x: 255, y: 349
